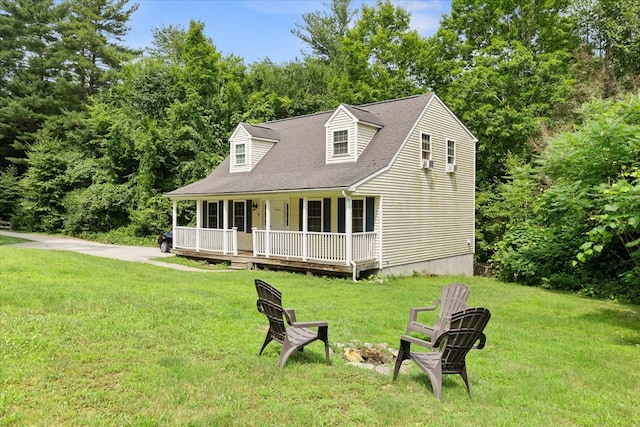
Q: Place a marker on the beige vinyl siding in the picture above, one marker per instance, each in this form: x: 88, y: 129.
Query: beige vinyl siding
x: 258, y: 150
x: 428, y: 214
x: 245, y: 241
x: 341, y: 121
x: 240, y: 137
x: 365, y: 134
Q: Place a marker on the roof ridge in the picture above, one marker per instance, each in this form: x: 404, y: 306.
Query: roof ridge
x: 387, y: 101
x: 352, y: 106
x: 261, y: 125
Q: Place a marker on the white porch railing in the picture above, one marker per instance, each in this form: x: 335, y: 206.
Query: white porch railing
x: 206, y: 239
x: 330, y: 247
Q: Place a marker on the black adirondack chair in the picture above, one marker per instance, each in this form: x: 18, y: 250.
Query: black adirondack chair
x: 464, y: 333
x: 293, y: 335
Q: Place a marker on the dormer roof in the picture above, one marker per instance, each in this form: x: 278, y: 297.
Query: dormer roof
x: 261, y: 132
x: 364, y: 116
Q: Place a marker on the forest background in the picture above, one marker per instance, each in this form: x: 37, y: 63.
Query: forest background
x: 93, y: 133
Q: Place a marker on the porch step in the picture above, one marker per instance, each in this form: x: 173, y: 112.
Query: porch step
x: 240, y: 265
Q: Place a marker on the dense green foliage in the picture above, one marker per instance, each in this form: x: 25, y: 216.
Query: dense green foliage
x: 589, y: 210
x: 93, y: 133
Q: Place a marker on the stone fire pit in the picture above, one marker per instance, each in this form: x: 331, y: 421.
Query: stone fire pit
x: 377, y: 357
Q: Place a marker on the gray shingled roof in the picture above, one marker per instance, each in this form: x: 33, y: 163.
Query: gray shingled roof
x: 261, y: 132
x: 297, y: 160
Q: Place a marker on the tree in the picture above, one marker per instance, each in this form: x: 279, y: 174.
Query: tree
x: 505, y: 68
x: 292, y: 89
x: 29, y: 64
x: 9, y: 192
x: 163, y: 125
x: 383, y: 58
x: 609, y: 29
x: 57, y: 55
x: 92, y: 36
x: 169, y: 44
x: 324, y: 31
x: 588, y: 212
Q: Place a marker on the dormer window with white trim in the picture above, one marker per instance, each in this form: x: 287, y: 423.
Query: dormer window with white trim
x: 340, y: 142
x: 241, y: 157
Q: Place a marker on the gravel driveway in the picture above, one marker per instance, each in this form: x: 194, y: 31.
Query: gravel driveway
x: 125, y: 253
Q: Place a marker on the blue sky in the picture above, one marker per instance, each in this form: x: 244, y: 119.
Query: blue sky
x: 256, y: 29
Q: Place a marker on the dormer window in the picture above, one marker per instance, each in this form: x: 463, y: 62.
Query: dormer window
x: 340, y: 142
x: 240, y: 154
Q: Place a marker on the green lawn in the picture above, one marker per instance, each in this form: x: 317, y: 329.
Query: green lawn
x: 96, y: 342
x: 8, y: 240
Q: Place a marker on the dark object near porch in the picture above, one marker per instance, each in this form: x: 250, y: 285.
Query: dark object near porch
x: 165, y: 241
x: 453, y: 299
x: 452, y: 347
x: 293, y: 337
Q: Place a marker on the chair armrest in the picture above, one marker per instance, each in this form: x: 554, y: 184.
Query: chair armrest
x: 317, y: 324
x: 290, y: 314
x: 413, y: 312
x: 418, y: 341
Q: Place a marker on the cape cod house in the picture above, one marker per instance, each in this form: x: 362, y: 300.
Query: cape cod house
x: 385, y: 187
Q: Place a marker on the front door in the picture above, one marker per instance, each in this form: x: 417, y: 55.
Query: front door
x: 279, y: 214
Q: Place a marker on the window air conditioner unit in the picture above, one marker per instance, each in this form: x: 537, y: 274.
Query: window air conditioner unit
x: 451, y: 168
x: 427, y: 164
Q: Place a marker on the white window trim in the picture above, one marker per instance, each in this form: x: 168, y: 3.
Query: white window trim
x: 422, y: 150
x: 236, y: 145
x: 214, y: 204
x: 244, y: 215
x: 321, y: 214
x: 333, y: 143
x: 364, y: 214
x: 454, y: 156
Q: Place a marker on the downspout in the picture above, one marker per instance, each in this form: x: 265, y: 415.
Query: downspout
x: 353, y: 270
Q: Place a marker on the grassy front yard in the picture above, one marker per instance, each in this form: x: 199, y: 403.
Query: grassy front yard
x: 92, y: 341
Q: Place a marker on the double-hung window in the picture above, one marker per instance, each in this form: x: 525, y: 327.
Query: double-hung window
x: 426, y: 146
x: 238, y: 215
x: 314, y: 216
x: 340, y: 142
x: 212, y: 215
x: 357, y: 215
x: 451, y: 152
x: 241, y: 157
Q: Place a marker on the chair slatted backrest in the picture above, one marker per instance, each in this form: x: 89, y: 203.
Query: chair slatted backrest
x: 453, y: 299
x: 268, y: 292
x: 275, y: 314
x: 466, y: 330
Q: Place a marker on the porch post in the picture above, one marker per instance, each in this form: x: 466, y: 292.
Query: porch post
x: 267, y: 243
x: 304, y: 229
x: 198, y: 223
x: 174, y: 222
x: 348, y: 229
x: 225, y: 226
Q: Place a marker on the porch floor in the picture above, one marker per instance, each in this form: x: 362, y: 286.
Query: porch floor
x: 246, y: 260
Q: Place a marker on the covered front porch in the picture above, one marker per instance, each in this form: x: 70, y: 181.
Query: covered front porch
x: 224, y: 232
